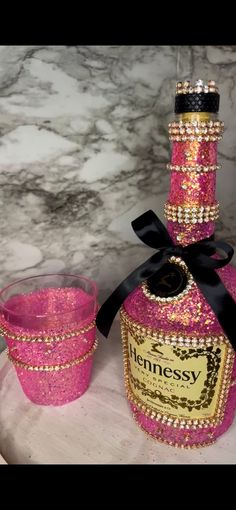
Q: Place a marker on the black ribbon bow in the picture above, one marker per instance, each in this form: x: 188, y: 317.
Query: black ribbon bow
x: 197, y: 257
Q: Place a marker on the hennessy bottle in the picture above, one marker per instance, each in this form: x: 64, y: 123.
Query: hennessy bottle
x: 180, y: 369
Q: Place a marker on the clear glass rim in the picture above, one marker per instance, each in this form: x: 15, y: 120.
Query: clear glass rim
x: 66, y: 275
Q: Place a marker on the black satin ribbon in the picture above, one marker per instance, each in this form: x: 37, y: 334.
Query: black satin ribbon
x: 197, y: 257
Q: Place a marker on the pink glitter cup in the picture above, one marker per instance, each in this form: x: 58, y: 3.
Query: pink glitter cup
x: 48, y: 322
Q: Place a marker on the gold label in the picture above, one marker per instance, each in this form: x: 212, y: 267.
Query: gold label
x: 183, y: 382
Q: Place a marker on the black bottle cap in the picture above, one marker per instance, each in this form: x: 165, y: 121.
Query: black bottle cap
x: 197, y: 98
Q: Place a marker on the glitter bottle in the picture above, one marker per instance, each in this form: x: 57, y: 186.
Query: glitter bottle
x: 180, y: 369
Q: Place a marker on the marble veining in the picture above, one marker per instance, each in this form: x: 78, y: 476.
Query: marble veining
x: 84, y: 147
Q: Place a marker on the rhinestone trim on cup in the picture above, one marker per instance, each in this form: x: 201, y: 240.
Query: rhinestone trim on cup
x: 42, y: 336
x: 53, y: 368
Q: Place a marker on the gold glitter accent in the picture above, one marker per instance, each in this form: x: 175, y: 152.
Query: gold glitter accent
x: 171, y: 443
x: 43, y: 336
x: 195, y: 116
x: 200, y: 169
x: 188, y: 235
x: 179, y: 262
x: 191, y: 152
x: 191, y: 214
x: 53, y: 368
x: 137, y: 330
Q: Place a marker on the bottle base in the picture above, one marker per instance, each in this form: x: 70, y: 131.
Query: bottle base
x: 184, y: 438
x: 172, y: 443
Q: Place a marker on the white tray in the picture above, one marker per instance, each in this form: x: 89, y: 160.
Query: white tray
x: 98, y: 428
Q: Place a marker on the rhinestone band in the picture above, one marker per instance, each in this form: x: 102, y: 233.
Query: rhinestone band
x: 185, y: 87
x: 197, y: 124
x: 196, y: 168
x: 43, y: 336
x: 170, y: 338
x: 53, y: 368
x: 192, y: 138
x: 196, y: 128
x: 153, y: 297
x: 193, y: 214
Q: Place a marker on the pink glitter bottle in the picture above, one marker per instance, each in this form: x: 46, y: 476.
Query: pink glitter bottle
x: 48, y: 322
x: 180, y: 369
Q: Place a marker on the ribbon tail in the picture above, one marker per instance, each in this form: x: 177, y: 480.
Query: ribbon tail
x: 218, y: 297
x: 151, y: 230
x: 109, y: 309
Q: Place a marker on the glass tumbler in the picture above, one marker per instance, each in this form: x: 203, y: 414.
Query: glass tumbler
x: 48, y: 322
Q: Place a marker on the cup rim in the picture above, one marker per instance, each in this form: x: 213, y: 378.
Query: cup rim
x: 91, y: 282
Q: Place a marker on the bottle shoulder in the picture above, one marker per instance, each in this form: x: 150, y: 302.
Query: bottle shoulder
x: 190, y: 314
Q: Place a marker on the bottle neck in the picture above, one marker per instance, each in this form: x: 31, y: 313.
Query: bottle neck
x: 191, y: 208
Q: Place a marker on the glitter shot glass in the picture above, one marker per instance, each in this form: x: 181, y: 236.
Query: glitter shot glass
x: 48, y: 322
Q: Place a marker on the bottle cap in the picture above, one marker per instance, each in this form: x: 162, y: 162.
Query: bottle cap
x: 199, y: 97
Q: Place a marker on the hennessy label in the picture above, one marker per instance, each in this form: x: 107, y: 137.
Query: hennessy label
x: 183, y: 382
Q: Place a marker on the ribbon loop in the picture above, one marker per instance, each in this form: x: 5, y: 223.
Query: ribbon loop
x: 197, y: 256
x: 146, y: 228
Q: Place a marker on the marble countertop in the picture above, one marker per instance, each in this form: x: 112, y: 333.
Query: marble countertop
x: 83, y: 151
x: 98, y: 428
